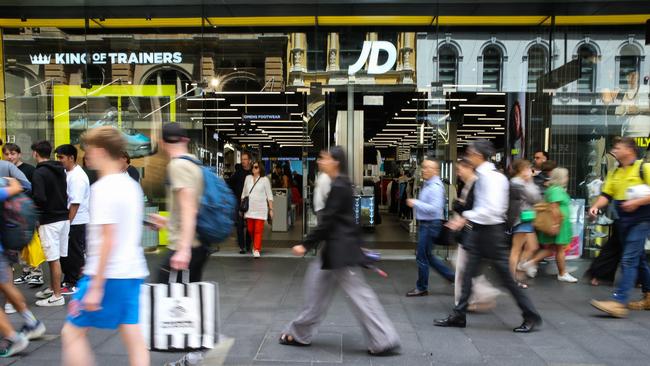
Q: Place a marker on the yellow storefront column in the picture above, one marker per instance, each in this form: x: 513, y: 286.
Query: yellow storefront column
x: 3, y: 115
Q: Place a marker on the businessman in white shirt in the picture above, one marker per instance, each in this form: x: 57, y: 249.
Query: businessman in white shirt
x: 487, y: 239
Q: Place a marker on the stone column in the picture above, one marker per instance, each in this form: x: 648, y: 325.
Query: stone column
x: 333, y: 48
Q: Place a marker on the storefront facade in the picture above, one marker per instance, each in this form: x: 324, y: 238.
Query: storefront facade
x: 390, y: 87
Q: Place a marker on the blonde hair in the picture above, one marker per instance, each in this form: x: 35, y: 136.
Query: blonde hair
x: 559, y: 177
x: 107, y: 138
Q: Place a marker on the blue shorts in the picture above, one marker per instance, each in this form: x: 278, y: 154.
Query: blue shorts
x: 524, y: 227
x: 120, y: 305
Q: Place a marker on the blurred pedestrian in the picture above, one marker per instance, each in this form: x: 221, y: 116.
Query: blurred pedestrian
x: 236, y: 181
x: 539, y: 159
x: 542, y: 179
x: 14, y: 342
x: 49, y: 191
x: 339, y: 264
x: 560, y: 201
x: 487, y: 238
x: 184, y: 191
x: 109, y: 292
x: 484, y: 294
x: 627, y: 187
x: 429, y: 211
x: 524, y: 194
x: 257, y: 188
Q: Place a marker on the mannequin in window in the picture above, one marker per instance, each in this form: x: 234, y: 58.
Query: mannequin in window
x: 634, y: 110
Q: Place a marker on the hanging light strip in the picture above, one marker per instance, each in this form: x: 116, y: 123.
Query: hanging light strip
x: 479, y: 125
x: 212, y: 110
x: 491, y: 119
x: 474, y: 115
x: 195, y: 118
x: 264, y: 105
x: 482, y: 105
x: 205, y: 99
x: 407, y: 118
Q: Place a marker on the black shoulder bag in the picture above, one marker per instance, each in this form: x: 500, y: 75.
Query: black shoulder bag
x: 243, y: 206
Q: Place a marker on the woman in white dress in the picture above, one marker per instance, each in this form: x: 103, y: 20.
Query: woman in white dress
x: 257, y: 188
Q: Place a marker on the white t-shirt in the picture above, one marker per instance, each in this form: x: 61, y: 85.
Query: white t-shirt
x: 118, y: 200
x: 79, y: 193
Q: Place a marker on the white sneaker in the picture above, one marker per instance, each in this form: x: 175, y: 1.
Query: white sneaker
x: 567, y: 278
x: 51, y: 301
x: 9, y: 309
x: 44, y: 294
x: 256, y: 254
x: 529, y: 268
x: 10, y: 348
x: 33, y: 332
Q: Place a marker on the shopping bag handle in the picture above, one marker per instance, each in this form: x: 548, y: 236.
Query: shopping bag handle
x: 185, y: 276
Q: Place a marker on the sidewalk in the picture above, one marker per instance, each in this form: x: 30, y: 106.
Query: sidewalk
x: 258, y: 297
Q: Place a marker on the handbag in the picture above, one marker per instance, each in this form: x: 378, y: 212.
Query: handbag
x: 180, y: 316
x: 548, y: 219
x: 244, y: 205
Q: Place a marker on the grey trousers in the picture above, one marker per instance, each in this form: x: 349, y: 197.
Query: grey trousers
x: 319, y: 289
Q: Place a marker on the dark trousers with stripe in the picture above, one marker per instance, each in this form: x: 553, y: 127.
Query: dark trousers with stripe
x: 73, y: 264
x: 200, y: 257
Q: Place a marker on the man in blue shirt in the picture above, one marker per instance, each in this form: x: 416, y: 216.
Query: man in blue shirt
x: 429, y: 208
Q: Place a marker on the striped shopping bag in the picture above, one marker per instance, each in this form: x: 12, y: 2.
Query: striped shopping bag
x: 180, y: 316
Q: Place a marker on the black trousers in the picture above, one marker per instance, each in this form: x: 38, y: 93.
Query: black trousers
x: 243, y: 238
x: 73, y: 264
x: 489, y: 242
x: 200, y: 257
x: 605, y: 265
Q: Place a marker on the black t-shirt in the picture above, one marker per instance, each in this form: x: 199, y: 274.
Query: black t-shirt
x: 28, y: 170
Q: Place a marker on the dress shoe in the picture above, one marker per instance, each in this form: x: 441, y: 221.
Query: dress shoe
x: 611, y: 307
x: 528, y: 325
x: 416, y: 292
x: 456, y: 321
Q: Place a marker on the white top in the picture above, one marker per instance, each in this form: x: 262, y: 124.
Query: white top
x: 322, y: 191
x: 78, y: 193
x: 491, y: 195
x: 257, y: 202
x: 117, y: 200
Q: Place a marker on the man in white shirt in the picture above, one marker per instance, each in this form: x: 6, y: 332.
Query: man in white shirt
x: 487, y: 239
x: 109, y: 292
x: 78, y: 198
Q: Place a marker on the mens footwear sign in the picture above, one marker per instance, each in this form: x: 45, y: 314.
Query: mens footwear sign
x: 103, y: 58
x: 370, y: 53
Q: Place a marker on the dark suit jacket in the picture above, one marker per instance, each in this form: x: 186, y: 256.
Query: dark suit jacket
x: 338, y: 229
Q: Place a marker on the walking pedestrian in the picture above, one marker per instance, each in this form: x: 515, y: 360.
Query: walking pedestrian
x: 184, y: 191
x: 14, y: 342
x: 50, y: 196
x: 236, y: 181
x: 539, y: 158
x: 487, y: 238
x: 339, y: 264
x: 560, y: 201
x: 257, y: 188
x: 429, y: 209
x: 627, y: 187
x: 78, y: 189
x: 109, y: 292
x: 484, y: 294
x: 524, y: 194
x: 129, y: 169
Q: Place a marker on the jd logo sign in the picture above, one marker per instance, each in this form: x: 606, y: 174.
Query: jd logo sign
x: 370, y: 53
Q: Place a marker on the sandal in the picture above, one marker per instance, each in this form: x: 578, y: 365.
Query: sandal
x: 522, y: 285
x: 289, y: 340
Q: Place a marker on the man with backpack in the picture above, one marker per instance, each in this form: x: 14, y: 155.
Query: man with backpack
x: 14, y: 342
x: 184, y: 191
x: 628, y: 186
x: 49, y: 191
x: 78, y: 200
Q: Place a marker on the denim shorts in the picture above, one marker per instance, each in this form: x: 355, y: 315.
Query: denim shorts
x: 120, y: 305
x: 524, y: 227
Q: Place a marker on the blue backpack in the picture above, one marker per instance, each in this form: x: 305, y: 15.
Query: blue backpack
x: 216, y: 216
x: 18, y: 219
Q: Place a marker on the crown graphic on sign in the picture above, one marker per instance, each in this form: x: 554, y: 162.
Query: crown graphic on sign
x: 40, y: 59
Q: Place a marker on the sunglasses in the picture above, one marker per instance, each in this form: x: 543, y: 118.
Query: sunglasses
x: 255, y: 167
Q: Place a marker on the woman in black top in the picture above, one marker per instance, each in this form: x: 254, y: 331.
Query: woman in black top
x: 339, y: 264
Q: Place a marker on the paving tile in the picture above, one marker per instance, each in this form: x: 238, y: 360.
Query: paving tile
x: 325, y: 347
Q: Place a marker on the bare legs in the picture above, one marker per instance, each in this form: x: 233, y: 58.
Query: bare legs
x: 77, y: 352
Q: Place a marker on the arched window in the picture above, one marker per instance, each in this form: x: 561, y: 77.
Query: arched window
x: 629, y: 62
x: 587, y: 57
x: 447, y: 64
x: 537, y: 65
x: 19, y: 82
x: 492, y: 67
x: 170, y: 76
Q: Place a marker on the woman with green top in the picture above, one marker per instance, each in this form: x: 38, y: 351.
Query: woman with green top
x: 557, y: 196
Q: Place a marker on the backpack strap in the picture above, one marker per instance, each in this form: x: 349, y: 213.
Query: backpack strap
x: 641, y: 172
x: 188, y: 158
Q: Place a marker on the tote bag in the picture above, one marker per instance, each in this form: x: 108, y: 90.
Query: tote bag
x: 180, y: 316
